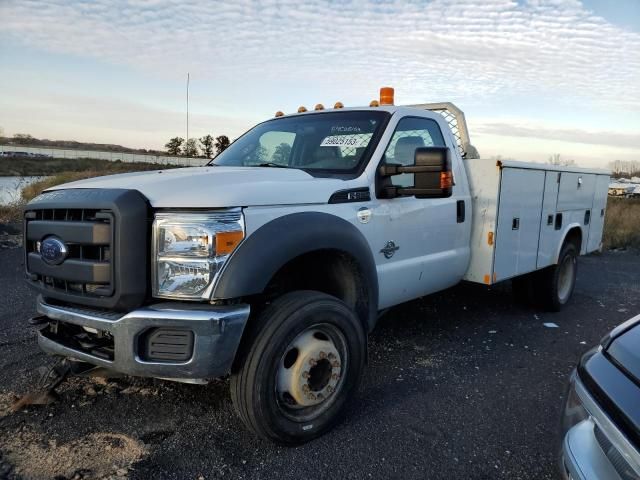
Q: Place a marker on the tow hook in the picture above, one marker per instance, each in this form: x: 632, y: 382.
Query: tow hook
x: 38, y: 320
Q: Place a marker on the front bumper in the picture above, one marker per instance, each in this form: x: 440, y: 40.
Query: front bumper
x: 214, y: 331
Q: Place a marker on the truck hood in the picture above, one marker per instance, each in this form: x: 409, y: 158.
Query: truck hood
x: 214, y: 187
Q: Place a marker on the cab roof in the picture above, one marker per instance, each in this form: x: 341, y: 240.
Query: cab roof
x: 385, y: 108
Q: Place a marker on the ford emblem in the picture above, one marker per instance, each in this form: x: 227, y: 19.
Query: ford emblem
x: 53, y: 250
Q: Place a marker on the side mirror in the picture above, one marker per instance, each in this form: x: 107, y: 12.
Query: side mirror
x: 433, y: 177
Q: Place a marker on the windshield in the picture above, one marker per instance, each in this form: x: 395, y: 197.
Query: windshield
x: 333, y: 141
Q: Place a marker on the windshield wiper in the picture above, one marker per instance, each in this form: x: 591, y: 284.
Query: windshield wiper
x: 271, y: 164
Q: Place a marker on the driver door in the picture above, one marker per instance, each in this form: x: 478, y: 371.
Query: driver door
x: 418, y: 250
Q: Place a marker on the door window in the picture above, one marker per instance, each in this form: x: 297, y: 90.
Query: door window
x: 411, y: 133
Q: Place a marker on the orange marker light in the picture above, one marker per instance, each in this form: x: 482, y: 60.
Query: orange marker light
x: 490, y: 238
x: 338, y: 105
x: 279, y: 113
x: 446, y: 180
x: 226, y: 242
x: 386, y: 96
x: 374, y: 103
x: 302, y: 109
x: 319, y: 106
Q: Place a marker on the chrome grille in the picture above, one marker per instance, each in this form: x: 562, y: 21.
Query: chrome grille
x: 87, y: 270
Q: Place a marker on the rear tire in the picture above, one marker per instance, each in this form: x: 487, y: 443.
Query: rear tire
x: 555, y: 284
x: 302, y: 362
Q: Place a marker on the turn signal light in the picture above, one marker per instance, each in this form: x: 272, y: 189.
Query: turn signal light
x: 338, y: 105
x: 279, y: 113
x: 302, y: 109
x: 226, y: 242
x: 319, y: 106
x: 386, y: 96
x: 446, y: 180
x: 374, y: 103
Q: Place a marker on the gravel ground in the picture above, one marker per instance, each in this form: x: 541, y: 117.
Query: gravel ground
x: 462, y: 384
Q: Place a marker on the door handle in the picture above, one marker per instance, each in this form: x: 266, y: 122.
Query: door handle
x: 460, y: 211
x: 558, y: 224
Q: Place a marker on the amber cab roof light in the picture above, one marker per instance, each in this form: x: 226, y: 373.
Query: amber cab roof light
x: 386, y: 96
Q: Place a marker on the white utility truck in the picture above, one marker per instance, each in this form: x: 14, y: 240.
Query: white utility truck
x: 272, y: 263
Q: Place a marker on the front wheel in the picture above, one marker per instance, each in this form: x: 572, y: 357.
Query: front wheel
x: 554, y: 285
x: 302, y: 362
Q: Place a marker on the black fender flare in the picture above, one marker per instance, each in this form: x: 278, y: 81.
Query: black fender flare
x: 263, y: 253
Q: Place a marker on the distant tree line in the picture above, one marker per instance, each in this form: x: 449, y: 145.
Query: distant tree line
x: 625, y: 168
x: 619, y: 168
x: 208, y: 145
x: 28, y: 140
x: 556, y: 159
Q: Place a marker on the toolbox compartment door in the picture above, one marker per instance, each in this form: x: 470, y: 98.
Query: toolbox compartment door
x: 549, y: 234
x: 519, y: 214
x: 576, y: 191
x: 596, y: 224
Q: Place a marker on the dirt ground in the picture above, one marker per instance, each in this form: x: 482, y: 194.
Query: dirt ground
x: 462, y: 384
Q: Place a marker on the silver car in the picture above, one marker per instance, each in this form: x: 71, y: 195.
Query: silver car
x: 601, y: 419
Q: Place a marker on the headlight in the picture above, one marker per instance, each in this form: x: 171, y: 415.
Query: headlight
x: 574, y: 411
x: 190, y: 249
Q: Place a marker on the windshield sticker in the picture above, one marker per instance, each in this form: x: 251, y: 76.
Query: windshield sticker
x: 345, y: 141
x: 343, y: 129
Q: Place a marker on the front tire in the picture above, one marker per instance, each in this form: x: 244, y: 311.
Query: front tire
x: 302, y: 362
x: 555, y: 284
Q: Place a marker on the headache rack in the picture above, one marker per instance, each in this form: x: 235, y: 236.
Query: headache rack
x: 457, y: 123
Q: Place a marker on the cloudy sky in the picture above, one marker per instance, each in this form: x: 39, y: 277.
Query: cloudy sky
x: 535, y: 77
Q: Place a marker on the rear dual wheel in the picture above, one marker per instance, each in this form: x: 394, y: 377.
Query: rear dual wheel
x: 301, y: 363
x: 551, y: 287
x: 554, y: 285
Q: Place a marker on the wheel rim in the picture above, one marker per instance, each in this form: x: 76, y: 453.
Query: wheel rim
x: 566, y: 276
x: 310, y: 372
